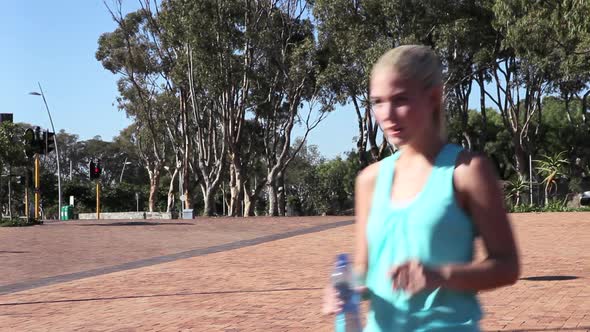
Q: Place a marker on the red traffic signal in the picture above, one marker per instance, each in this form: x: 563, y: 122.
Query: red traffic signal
x: 95, y: 169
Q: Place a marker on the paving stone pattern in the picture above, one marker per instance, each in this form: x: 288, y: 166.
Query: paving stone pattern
x: 274, y: 285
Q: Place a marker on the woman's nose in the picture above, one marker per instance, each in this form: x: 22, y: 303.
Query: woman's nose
x: 392, y: 112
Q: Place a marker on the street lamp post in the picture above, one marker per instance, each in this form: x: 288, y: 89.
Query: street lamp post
x: 122, y: 171
x: 55, y: 143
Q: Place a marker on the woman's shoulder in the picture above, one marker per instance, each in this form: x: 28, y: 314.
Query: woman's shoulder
x: 473, y: 169
x: 368, y: 175
x: 474, y: 173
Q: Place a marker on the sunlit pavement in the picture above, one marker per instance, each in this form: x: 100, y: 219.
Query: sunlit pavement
x: 260, y: 274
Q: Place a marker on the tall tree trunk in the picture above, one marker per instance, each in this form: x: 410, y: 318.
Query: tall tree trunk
x: 281, y: 195
x: 520, y: 157
x: 251, y: 197
x: 236, y: 185
x: 171, y: 191
x: 361, y: 144
x: 272, y: 199
x: 249, y: 201
x: 482, y: 105
x: 188, y: 202
x: 154, y: 175
x: 372, y: 130
x: 568, y: 113
x: 585, y: 109
x: 209, y: 204
x: 463, y: 91
x: 467, y: 140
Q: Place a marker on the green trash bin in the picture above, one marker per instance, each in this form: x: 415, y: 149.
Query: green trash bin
x: 63, y: 213
x: 67, y: 212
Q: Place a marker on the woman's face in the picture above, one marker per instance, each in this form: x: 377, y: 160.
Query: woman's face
x: 403, y: 109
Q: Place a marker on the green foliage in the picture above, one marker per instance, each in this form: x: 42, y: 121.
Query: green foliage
x: 336, y: 185
x: 575, y: 185
x: 317, y: 186
x: 11, y: 145
x: 553, y: 206
x: 19, y: 222
x: 552, y: 168
x: 252, y: 66
x: 515, y: 188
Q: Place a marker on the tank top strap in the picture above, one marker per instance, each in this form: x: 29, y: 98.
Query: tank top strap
x: 384, y: 182
x: 445, y: 168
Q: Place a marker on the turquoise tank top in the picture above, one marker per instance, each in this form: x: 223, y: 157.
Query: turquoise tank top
x: 433, y: 229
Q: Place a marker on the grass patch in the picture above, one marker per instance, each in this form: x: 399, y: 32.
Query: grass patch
x: 551, y: 207
x: 18, y: 222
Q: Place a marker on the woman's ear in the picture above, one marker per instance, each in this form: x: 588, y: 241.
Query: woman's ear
x: 435, y: 96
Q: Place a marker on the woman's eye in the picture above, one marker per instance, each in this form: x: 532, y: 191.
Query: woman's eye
x: 400, y: 100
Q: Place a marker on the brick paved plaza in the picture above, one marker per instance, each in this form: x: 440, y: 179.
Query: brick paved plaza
x: 255, y: 274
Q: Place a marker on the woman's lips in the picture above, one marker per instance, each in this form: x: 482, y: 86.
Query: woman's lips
x: 396, y: 131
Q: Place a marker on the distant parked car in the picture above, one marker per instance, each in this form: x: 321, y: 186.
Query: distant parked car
x: 585, y: 199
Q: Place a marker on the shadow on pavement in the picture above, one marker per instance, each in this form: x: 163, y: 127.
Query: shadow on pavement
x: 579, y: 328
x: 164, y: 295
x: 46, y: 281
x: 138, y: 223
x: 550, y: 278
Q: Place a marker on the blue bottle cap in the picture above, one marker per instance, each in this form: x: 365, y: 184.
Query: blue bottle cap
x: 342, y: 260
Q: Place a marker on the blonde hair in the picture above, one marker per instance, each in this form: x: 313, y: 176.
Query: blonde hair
x: 420, y: 64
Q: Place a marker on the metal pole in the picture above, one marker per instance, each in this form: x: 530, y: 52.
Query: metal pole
x: 531, y: 179
x: 223, y: 197
x: 124, y: 164
x: 36, y: 186
x: 56, y: 149
x: 27, y: 202
x: 1, y: 190
x: 1, y: 193
x: 97, y: 199
x: 180, y: 191
x: 27, y: 186
x: 9, y: 192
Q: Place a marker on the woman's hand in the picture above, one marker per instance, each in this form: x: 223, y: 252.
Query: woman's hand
x: 413, y: 277
x: 332, y: 303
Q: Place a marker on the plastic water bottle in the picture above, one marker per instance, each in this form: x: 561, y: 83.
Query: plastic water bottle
x: 348, y: 320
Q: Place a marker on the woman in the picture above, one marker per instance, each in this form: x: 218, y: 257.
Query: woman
x: 419, y: 211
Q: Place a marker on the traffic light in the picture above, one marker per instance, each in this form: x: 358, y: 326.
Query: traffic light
x: 6, y: 117
x: 29, y: 142
x: 26, y: 179
x: 29, y: 177
x: 91, y: 168
x: 98, y: 169
x: 37, y: 141
x: 95, y: 169
x: 49, y: 141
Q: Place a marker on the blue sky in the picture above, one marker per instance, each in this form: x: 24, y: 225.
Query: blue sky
x: 54, y: 42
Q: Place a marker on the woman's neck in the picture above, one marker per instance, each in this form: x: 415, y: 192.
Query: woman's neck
x: 427, y: 149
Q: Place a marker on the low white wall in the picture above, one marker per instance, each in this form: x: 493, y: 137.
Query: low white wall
x: 126, y: 215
